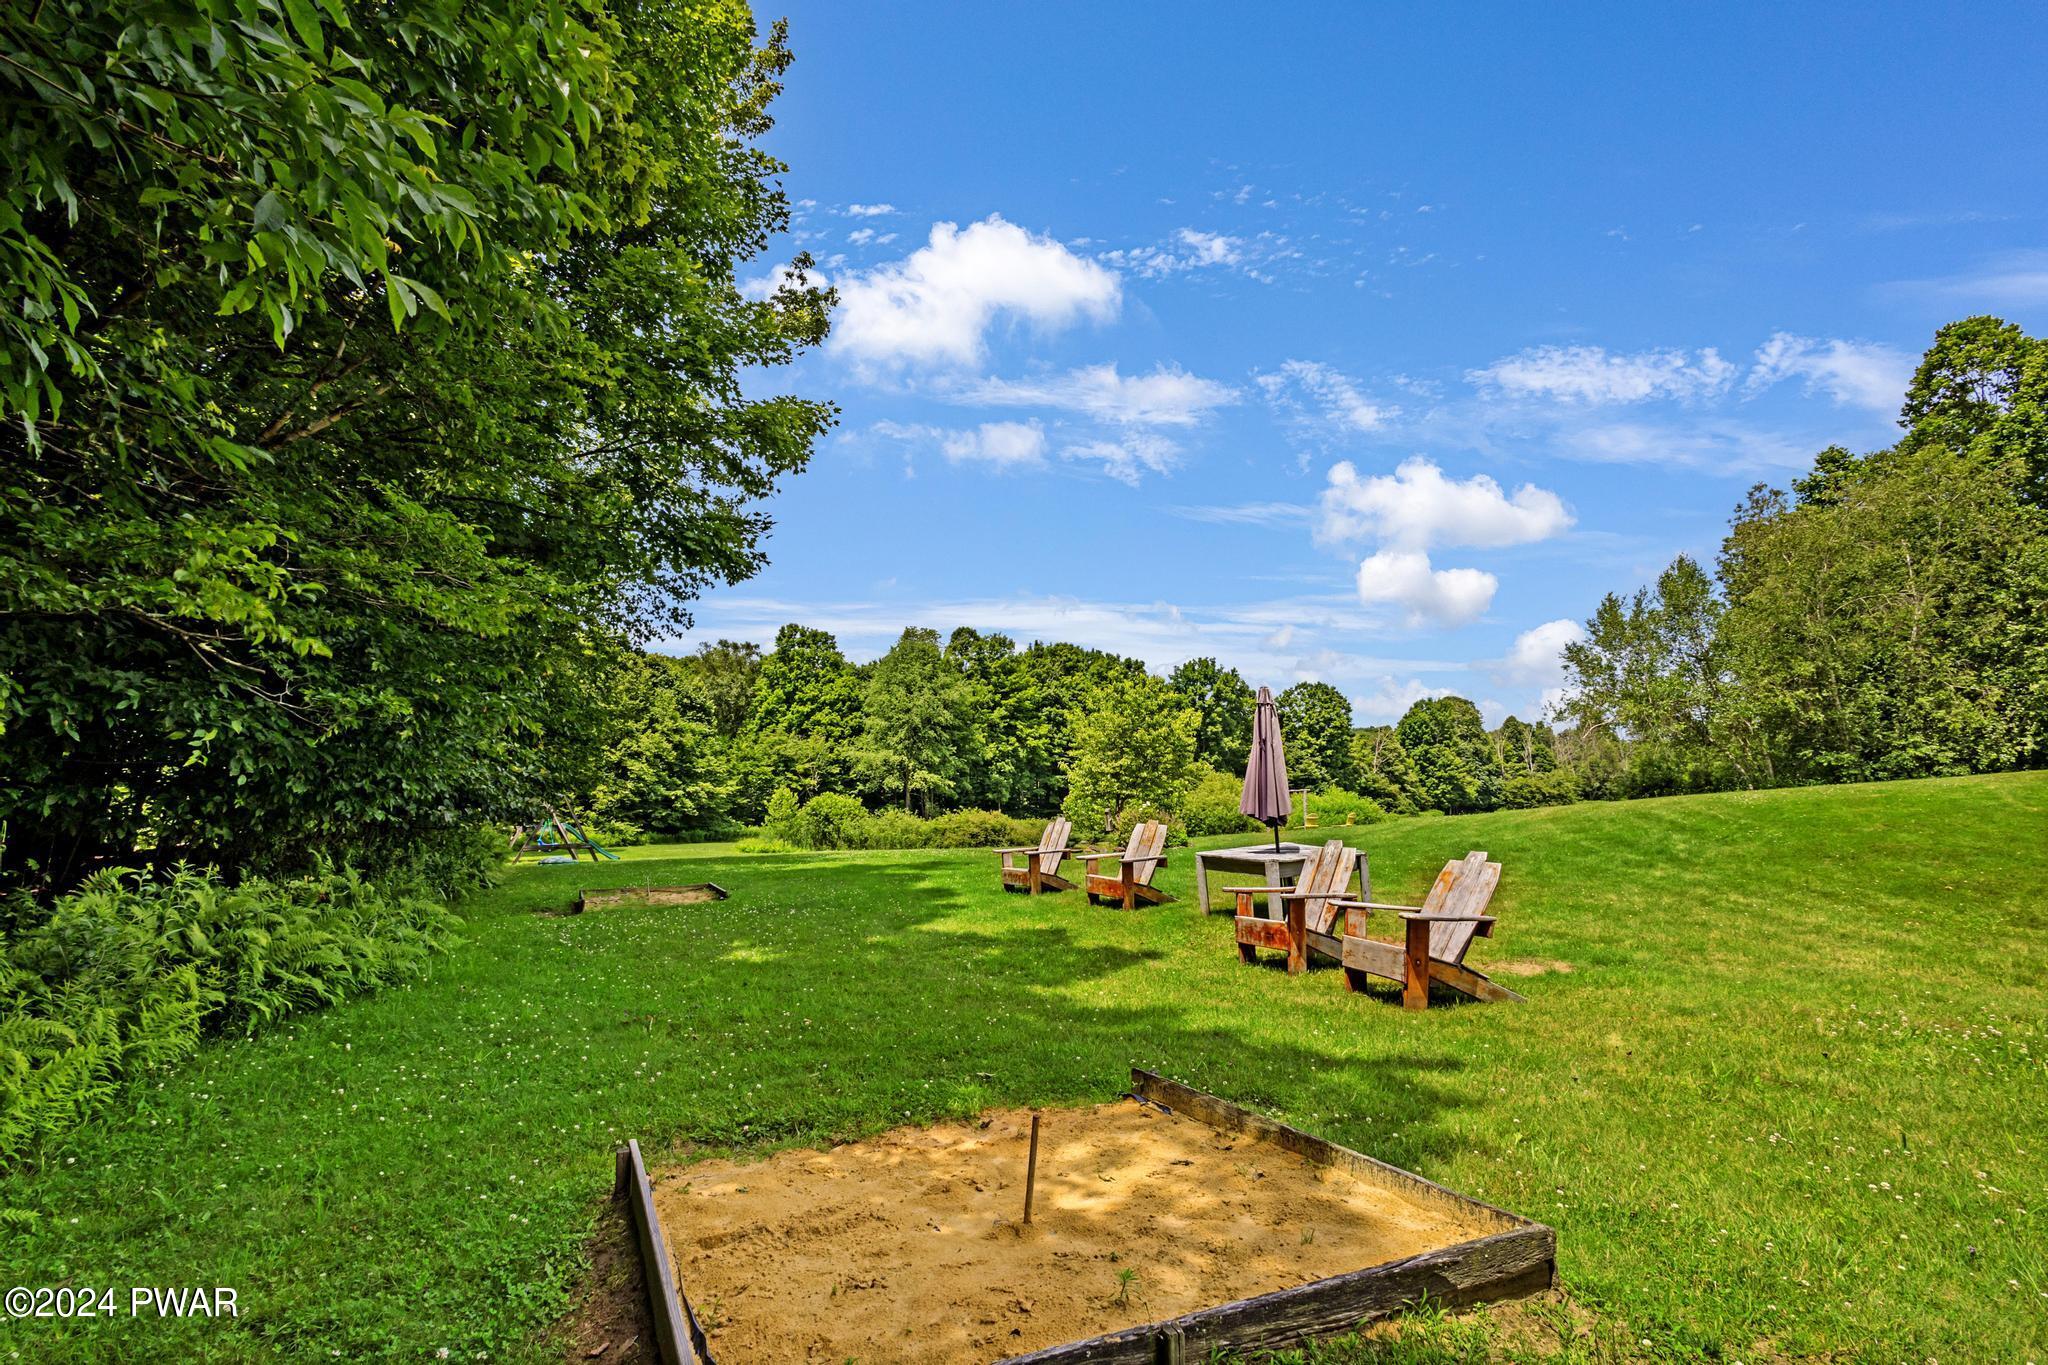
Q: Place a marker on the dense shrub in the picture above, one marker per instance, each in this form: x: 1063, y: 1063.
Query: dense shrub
x: 1558, y: 788
x: 833, y: 821
x: 828, y: 820
x: 616, y: 834
x: 1339, y: 807
x: 764, y: 844
x: 781, y: 816
x: 893, y: 828
x: 126, y: 973
x: 1211, y: 808
x: 983, y: 829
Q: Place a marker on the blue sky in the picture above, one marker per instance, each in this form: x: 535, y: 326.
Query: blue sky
x: 1360, y: 344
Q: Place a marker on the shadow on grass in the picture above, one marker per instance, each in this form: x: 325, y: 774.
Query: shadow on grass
x: 900, y: 996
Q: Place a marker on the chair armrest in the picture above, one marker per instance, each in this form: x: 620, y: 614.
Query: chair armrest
x: 1268, y: 890
x: 1347, y: 904
x: 1485, y: 922
x: 1156, y: 859
x: 1098, y: 857
x: 1029, y: 848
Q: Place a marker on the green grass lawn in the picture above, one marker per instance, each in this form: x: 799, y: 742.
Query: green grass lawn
x: 1790, y: 1099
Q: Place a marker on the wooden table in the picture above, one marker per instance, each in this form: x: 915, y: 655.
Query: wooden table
x: 1275, y: 867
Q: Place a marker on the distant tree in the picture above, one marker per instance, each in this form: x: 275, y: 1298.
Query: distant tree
x: 1385, y: 771
x: 1982, y: 389
x: 918, y: 720
x: 806, y: 687
x: 1445, y: 737
x: 664, y: 764
x: 1226, y: 702
x: 726, y: 673
x: 1647, y: 673
x: 1052, y: 680
x: 988, y: 664
x: 1133, y: 744
x: 1524, y: 749
x: 1899, y: 629
x: 1315, y: 721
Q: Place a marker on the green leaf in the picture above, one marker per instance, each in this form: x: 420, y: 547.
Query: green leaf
x: 305, y: 22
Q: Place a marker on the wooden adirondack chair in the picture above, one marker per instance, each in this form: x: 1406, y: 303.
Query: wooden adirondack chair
x: 1307, y: 910
x: 1145, y: 853
x: 1438, y: 933
x: 1035, y: 869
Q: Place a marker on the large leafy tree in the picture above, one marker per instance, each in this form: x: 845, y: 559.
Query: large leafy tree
x: 1898, y: 628
x: 662, y: 763
x: 1226, y: 702
x: 1445, y: 738
x: 806, y: 687
x: 1315, y: 719
x: 363, y: 365
x: 1982, y: 388
x: 1648, y: 674
x: 918, y: 723
x: 725, y: 675
x: 1133, y: 745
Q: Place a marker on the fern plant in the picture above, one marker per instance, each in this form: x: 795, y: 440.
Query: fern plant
x: 127, y: 973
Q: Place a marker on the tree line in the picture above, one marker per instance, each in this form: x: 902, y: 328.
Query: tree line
x: 1884, y: 617
x: 708, y: 741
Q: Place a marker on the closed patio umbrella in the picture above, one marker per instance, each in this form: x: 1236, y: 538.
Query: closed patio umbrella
x: 1265, y: 774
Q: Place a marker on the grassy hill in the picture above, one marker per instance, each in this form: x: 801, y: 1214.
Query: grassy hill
x: 1781, y: 1084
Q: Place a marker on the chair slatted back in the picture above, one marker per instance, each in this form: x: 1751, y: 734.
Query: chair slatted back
x: 1148, y: 841
x: 1327, y: 877
x: 1464, y: 887
x: 1052, y: 841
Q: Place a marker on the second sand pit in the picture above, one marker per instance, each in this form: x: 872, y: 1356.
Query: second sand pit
x: 910, y: 1247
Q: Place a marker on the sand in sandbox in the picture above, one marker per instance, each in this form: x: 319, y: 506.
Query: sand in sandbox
x: 908, y: 1247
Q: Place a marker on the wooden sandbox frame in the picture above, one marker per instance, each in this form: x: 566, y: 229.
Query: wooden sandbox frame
x: 694, y: 894
x: 1517, y: 1260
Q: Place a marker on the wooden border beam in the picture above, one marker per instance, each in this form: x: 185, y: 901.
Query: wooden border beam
x: 677, y: 1338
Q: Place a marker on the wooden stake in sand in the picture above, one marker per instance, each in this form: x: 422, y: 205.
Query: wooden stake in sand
x: 1031, y: 1168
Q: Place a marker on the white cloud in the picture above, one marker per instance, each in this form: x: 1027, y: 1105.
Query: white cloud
x: 869, y: 210
x: 1441, y: 597
x: 1003, y: 445
x: 1390, y: 700
x: 764, y: 286
x: 2012, y: 279
x: 1314, y: 395
x: 1209, y: 248
x: 1416, y: 507
x: 861, y: 236
x: 1859, y: 373
x: 936, y: 305
x: 1536, y: 658
x: 1594, y: 376
x: 1720, y: 446
x: 1168, y: 396
x: 1129, y: 458
x: 1247, y: 513
x: 1187, y: 249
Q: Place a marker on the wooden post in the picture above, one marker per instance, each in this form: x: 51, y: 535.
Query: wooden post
x: 1031, y: 1169
x: 1297, y: 934
x: 1415, y: 995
